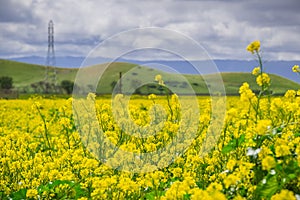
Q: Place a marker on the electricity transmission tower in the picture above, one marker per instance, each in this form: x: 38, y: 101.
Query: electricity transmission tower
x: 50, y: 74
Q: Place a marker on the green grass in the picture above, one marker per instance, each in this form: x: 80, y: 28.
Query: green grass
x: 279, y: 85
x: 25, y: 74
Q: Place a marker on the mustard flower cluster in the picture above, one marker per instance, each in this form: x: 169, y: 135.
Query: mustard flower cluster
x: 254, y: 47
x: 296, y: 68
x: 46, y: 154
x: 43, y: 157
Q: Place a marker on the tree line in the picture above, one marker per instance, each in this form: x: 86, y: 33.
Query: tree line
x: 65, y: 86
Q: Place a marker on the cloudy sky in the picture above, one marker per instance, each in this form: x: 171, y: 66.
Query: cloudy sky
x: 223, y: 28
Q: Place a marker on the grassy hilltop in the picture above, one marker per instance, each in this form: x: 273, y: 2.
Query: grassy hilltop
x: 26, y: 74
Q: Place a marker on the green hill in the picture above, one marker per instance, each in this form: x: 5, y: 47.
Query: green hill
x: 26, y: 74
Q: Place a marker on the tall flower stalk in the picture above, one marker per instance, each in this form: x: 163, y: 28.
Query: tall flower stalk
x: 159, y: 80
x: 262, y: 79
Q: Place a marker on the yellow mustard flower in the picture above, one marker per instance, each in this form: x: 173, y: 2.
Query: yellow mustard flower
x: 83, y: 198
x: 177, y: 172
x: 231, y: 179
x: 245, y: 92
x: 296, y: 68
x: 256, y: 71
x: 284, y: 195
x: 214, y: 187
x: 28, y: 162
x: 159, y: 79
x: 282, y: 150
x: 239, y: 197
x: 32, y: 193
x: 263, y: 126
x: 218, y: 195
x: 152, y: 96
x: 200, y: 194
x: 263, y: 79
x: 254, y: 46
x: 268, y: 163
x: 230, y: 164
x: 290, y: 94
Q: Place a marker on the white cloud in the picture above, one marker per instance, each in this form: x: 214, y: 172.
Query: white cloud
x: 224, y: 28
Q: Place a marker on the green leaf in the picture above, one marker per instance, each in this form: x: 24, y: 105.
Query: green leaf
x: 187, y: 196
x: 269, y: 188
x: 279, y: 130
x: 272, y: 148
x: 292, y: 167
x: 230, y: 146
x: 20, y: 194
x: 241, y: 140
x: 227, y: 148
x: 297, y: 134
x: 51, y: 185
x: 292, y: 176
x: 150, y: 196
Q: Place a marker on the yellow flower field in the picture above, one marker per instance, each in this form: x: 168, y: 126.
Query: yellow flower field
x: 256, y: 154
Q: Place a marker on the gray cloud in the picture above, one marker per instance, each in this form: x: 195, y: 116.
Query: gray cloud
x: 270, y: 13
x: 15, y: 11
x: 224, y: 28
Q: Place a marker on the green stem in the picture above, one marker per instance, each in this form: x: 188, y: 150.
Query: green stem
x: 168, y: 100
x: 45, y: 130
x: 261, y: 72
x: 68, y: 137
x: 45, y: 127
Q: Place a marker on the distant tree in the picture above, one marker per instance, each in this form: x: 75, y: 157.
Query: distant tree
x: 41, y: 85
x: 113, y: 84
x: 26, y: 89
x: 184, y: 85
x: 135, y: 83
x: 47, y: 87
x: 34, y: 87
x: 6, y: 82
x: 67, y: 86
x: 91, y: 87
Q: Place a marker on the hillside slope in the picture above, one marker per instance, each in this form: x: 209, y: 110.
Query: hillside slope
x: 25, y: 74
